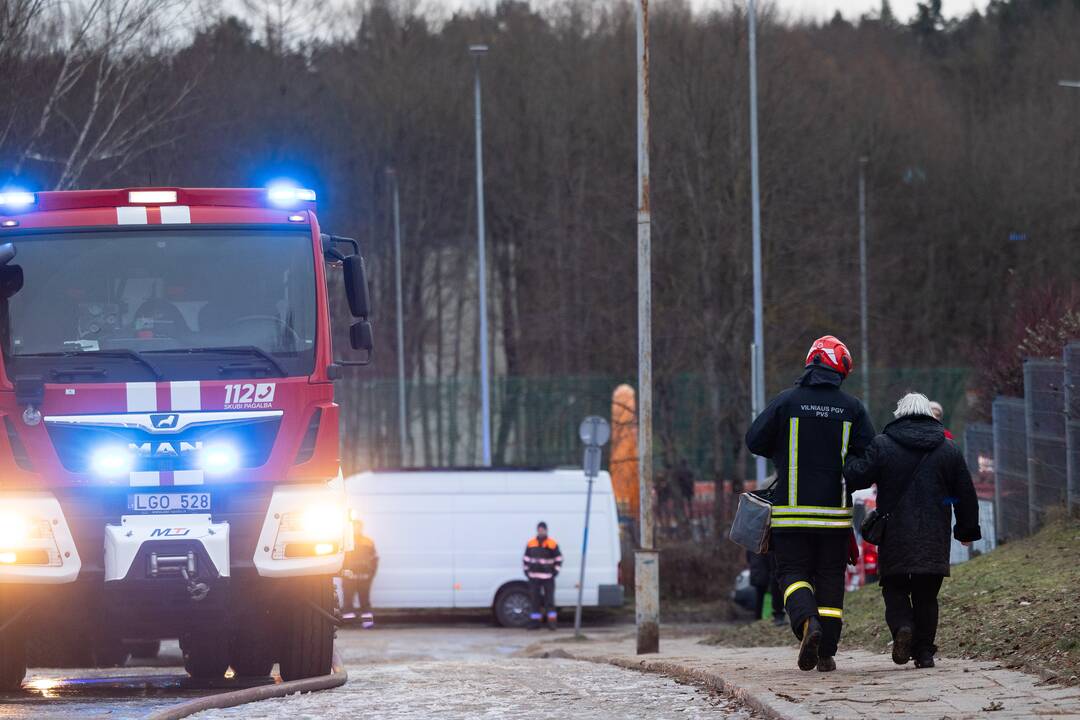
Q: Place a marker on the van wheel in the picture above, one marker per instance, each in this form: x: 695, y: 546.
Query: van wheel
x: 513, y: 605
x: 308, y: 649
x: 12, y: 660
x: 206, y: 654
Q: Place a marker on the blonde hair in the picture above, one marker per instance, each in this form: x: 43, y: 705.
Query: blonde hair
x: 913, y: 404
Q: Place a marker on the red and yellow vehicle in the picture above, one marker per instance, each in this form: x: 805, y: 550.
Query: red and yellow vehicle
x: 169, y: 463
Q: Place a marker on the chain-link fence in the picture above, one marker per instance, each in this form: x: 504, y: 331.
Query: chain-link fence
x: 1044, y: 406
x: 1072, y: 424
x: 1010, y: 468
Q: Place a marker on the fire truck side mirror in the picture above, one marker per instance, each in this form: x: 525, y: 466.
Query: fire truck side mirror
x: 11, y: 280
x: 361, y: 338
x: 7, y: 253
x: 356, y: 288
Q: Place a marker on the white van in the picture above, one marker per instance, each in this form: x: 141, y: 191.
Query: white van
x: 456, y: 538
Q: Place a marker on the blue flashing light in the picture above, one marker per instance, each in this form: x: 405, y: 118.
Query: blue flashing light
x: 16, y: 199
x: 219, y: 459
x: 286, y: 195
x: 111, y: 461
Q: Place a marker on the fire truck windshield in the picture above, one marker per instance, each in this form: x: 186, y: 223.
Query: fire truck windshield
x: 179, y: 303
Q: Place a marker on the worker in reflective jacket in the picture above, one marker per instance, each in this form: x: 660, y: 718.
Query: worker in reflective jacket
x: 542, y: 562
x: 807, y: 431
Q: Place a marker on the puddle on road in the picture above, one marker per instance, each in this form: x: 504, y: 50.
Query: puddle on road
x: 125, y: 693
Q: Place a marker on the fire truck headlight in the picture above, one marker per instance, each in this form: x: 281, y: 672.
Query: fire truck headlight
x: 220, y: 459
x: 16, y: 199
x: 316, y: 522
x: 287, y: 195
x: 15, y: 530
x: 111, y: 461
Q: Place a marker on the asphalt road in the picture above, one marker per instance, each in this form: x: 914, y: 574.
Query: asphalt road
x: 473, y: 671
x: 462, y: 669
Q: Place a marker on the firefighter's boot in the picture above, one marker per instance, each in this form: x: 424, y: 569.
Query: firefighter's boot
x: 826, y: 664
x: 552, y: 621
x: 811, y: 640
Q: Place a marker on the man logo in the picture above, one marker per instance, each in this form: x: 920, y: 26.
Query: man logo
x: 164, y: 422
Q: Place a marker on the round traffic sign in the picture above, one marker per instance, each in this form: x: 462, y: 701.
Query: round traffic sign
x: 595, y: 430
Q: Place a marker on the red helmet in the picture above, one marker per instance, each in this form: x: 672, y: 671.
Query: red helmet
x: 832, y: 353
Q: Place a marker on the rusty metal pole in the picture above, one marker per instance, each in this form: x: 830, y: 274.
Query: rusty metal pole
x: 646, y: 559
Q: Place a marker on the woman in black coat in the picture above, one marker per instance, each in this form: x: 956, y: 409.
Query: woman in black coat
x: 922, y: 479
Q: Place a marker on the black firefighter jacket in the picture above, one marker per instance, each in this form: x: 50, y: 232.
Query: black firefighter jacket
x: 808, y: 431
x: 542, y: 559
x: 917, y: 531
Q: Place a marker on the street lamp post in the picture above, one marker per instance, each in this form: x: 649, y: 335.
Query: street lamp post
x: 402, y: 408
x: 478, y: 52
x: 757, y: 359
x: 864, y: 322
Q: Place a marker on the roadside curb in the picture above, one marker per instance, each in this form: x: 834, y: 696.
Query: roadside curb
x: 765, y: 706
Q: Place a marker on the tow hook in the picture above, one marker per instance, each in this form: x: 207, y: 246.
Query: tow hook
x: 197, y: 590
x: 184, y: 565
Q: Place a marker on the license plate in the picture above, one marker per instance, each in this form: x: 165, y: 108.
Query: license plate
x: 169, y: 502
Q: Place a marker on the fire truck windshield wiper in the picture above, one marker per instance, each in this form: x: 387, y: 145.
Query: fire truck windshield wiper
x: 115, y: 353
x: 232, y: 350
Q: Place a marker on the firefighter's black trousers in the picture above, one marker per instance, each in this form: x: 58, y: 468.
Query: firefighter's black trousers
x: 542, y: 591
x: 810, y: 567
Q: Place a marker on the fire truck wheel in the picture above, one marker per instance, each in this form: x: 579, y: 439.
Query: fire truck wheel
x: 12, y: 660
x: 110, y: 652
x: 308, y: 646
x: 145, y: 649
x: 252, y: 653
x: 206, y: 654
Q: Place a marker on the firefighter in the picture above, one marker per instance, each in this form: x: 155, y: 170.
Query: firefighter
x: 360, y: 567
x: 807, y: 431
x: 542, y: 562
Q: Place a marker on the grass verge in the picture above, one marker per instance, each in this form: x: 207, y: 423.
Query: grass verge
x: 1019, y: 605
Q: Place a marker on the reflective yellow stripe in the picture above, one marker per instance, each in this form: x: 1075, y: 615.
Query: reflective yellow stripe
x: 793, y: 462
x: 809, y: 523
x: 795, y: 586
x: 831, y: 612
x: 811, y: 510
x: 843, y: 457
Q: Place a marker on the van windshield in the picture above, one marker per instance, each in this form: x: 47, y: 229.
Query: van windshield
x: 155, y: 299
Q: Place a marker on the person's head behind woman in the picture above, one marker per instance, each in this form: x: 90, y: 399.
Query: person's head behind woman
x: 913, y: 404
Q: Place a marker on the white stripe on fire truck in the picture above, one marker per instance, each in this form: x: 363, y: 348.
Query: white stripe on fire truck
x: 135, y: 215
x: 142, y: 397
x: 143, y: 478
x: 175, y: 214
x: 185, y: 394
x: 187, y: 477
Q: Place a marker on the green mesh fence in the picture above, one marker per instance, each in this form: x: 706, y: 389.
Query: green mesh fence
x: 535, y: 419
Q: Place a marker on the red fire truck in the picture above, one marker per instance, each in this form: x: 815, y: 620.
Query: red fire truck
x: 169, y: 462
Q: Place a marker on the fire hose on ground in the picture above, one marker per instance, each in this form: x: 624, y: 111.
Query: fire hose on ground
x: 337, y: 677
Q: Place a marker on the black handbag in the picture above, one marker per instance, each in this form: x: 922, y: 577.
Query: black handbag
x: 873, y: 527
